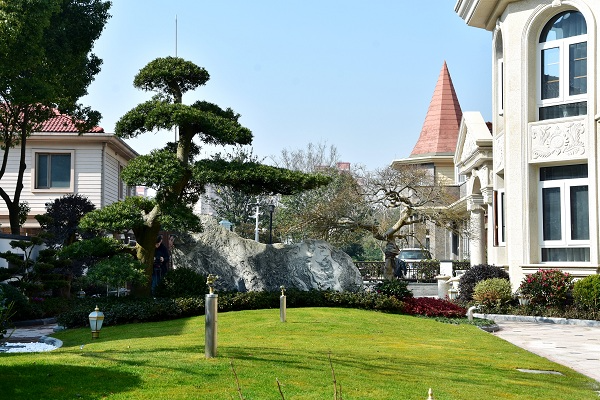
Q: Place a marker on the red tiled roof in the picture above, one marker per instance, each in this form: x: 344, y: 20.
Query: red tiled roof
x: 63, y: 123
x: 439, y: 133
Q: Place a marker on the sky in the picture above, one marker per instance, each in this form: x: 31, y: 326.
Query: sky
x: 355, y: 74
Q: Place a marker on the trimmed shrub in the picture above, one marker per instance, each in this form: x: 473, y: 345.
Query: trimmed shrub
x: 586, y: 292
x: 395, y: 287
x: 474, y: 275
x: 182, y: 282
x: 127, y: 310
x: 431, y: 307
x: 547, y: 287
x: 6, y: 314
x: 238, y: 301
x: 21, y: 308
x: 428, y: 270
x: 493, y: 293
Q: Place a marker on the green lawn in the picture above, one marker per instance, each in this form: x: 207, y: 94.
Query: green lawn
x: 374, y: 356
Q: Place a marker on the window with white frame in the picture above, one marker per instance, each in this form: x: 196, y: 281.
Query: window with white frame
x: 562, y: 67
x: 53, y: 170
x: 564, y: 213
x: 500, y: 218
x: 500, y: 87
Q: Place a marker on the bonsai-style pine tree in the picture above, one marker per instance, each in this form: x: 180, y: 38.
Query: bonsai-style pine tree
x: 173, y: 172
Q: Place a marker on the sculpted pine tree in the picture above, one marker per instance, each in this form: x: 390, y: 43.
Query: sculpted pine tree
x: 46, y: 65
x: 173, y: 171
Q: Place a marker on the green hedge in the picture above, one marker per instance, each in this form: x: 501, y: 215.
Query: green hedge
x: 126, y: 310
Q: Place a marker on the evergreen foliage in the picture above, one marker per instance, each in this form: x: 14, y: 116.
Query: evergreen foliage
x: 476, y: 274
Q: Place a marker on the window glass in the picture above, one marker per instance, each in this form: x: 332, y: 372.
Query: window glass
x: 564, y: 25
x: 577, y: 68
x: 42, y: 171
x: 503, y: 223
x: 551, y: 214
x: 564, y: 172
x: 580, y: 213
x: 61, y: 170
x: 566, y: 254
x: 551, y: 73
x: 563, y: 110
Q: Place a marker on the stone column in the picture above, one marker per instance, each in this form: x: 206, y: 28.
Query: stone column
x: 477, y: 236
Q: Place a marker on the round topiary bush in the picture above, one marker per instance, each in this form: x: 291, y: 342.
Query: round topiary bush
x: 182, y: 282
x: 474, y: 275
x: 586, y: 292
x: 493, y: 293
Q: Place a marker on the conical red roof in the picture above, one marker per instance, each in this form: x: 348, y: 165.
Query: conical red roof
x: 440, y: 129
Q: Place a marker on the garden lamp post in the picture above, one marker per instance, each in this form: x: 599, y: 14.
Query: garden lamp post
x: 271, y: 209
x: 256, y: 225
x: 96, y: 319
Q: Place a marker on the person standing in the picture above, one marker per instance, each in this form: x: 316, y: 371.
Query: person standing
x: 161, y: 262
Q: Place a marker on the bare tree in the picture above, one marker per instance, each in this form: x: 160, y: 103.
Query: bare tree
x: 315, y: 157
x: 386, y: 203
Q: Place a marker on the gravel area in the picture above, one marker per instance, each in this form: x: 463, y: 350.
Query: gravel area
x: 26, y: 347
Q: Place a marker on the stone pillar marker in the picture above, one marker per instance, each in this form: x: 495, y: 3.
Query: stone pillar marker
x: 282, y: 305
x: 210, y: 323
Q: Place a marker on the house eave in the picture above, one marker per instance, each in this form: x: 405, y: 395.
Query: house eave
x: 424, y: 159
x: 481, y: 13
x: 113, y: 142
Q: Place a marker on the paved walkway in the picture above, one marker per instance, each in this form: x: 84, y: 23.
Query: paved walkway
x: 575, y: 344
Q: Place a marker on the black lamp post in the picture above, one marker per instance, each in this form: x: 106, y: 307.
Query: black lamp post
x: 271, y: 209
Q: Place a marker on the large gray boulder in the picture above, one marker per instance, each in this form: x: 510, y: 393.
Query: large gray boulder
x: 246, y: 265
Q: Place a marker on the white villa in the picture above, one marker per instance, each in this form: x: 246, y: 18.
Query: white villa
x: 529, y: 179
x: 538, y: 187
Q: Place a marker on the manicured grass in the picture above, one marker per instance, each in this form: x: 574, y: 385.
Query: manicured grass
x: 374, y: 356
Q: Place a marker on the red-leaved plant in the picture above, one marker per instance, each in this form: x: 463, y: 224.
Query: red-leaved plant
x: 432, y: 307
x: 547, y: 287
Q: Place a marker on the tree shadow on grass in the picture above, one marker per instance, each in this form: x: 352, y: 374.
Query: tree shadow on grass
x: 52, y: 381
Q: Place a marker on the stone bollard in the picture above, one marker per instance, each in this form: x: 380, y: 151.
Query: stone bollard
x: 430, y: 393
x: 282, y: 305
x: 210, y: 325
x: 210, y: 322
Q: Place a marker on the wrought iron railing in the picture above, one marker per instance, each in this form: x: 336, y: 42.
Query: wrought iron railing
x: 420, y: 271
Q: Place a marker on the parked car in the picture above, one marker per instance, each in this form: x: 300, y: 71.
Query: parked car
x: 414, y: 254
x: 408, y: 260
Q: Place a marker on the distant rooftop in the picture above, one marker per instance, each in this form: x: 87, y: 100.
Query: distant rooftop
x: 63, y: 123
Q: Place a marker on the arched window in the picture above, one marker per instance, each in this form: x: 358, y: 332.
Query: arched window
x: 562, y: 55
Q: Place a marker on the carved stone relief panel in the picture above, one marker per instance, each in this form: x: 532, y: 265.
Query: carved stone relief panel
x: 469, y: 148
x: 558, y: 141
x: 499, y: 153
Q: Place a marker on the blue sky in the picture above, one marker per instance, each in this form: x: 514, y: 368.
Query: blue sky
x: 355, y: 74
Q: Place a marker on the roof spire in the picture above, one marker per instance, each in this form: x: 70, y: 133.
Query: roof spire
x: 439, y: 133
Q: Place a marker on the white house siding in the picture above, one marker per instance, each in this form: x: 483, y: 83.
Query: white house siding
x: 92, y: 179
x: 111, y: 179
x: 88, y: 173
